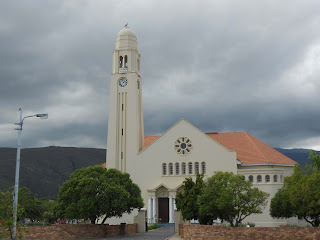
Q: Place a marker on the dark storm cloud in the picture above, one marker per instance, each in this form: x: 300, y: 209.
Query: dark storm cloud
x: 223, y: 66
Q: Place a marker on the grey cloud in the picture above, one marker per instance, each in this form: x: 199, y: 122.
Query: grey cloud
x: 223, y: 66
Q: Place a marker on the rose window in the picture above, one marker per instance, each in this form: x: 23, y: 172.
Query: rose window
x: 183, y: 145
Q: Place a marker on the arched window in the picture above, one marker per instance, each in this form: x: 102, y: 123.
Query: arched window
x: 190, y: 167
x: 196, y: 168
x: 243, y: 178
x: 183, y: 166
x: 177, y: 169
x: 125, y: 61
x: 203, y: 167
x: 259, y: 179
x: 275, y: 178
x: 280, y: 178
x: 164, y: 169
x: 267, y: 178
x: 120, y: 61
x: 170, y: 169
x: 251, y: 178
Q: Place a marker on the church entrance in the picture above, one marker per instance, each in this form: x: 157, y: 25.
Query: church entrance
x: 163, y: 210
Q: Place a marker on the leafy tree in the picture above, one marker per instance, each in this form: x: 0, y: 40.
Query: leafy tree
x: 94, y: 192
x: 281, y: 206
x: 48, y: 211
x: 187, y: 202
x: 315, y: 159
x: 6, y: 215
x: 299, y: 196
x: 230, y: 198
x: 33, y: 208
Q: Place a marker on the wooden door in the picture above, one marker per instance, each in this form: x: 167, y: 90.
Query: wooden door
x: 163, y: 210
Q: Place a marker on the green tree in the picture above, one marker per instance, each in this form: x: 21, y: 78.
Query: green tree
x: 48, y: 211
x: 187, y: 201
x: 299, y: 196
x: 93, y: 192
x: 33, y: 208
x: 230, y: 198
x: 315, y: 159
x: 281, y: 206
x: 6, y: 215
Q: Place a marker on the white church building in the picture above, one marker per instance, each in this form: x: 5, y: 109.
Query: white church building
x: 160, y: 164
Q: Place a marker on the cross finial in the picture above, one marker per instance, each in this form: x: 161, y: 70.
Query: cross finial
x: 126, y: 25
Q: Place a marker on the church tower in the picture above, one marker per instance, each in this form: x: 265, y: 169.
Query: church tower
x: 125, y: 126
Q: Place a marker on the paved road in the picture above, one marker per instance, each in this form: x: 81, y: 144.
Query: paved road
x: 157, y: 234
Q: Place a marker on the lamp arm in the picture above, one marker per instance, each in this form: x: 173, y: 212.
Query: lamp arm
x: 27, y: 117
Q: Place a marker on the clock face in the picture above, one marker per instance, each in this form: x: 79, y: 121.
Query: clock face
x: 123, y: 82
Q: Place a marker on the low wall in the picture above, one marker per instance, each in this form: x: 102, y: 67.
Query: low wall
x: 206, y: 232
x: 72, y: 231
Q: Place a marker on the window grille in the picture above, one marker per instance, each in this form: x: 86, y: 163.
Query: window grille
x: 170, y: 169
x: 190, y: 168
x: 259, y: 179
x: 251, y: 178
x: 275, y: 178
x: 196, y: 168
x: 177, y: 169
x: 267, y: 178
x: 184, y: 169
x: 164, y: 169
x: 203, y: 166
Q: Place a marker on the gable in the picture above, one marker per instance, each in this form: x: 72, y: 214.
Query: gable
x: 249, y: 149
x: 183, y: 129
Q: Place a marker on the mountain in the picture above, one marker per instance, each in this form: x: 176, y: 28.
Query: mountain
x: 44, y: 170
x: 299, y: 155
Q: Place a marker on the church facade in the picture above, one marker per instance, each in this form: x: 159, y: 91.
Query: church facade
x: 159, y: 164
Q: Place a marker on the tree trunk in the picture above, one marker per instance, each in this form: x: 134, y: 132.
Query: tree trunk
x: 105, y: 218
x: 93, y: 220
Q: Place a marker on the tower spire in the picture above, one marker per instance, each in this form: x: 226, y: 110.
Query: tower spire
x: 125, y: 126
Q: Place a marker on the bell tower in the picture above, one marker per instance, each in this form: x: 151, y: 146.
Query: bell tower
x: 125, y: 126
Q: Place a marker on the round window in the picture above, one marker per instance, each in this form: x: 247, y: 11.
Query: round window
x: 183, y: 146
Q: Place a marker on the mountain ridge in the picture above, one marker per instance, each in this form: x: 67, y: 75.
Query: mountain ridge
x: 44, y: 170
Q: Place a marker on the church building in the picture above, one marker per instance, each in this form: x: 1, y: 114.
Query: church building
x: 160, y: 164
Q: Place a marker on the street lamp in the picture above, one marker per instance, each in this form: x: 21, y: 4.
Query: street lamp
x: 16, y: 185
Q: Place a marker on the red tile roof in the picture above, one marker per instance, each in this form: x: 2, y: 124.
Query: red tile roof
x: 248, y: 148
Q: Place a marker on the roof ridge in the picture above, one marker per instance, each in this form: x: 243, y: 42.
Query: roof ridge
x: 247, y: 135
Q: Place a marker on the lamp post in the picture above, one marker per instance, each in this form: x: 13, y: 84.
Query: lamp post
x: 16, y: 185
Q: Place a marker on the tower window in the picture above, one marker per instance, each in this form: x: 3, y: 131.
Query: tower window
x: 267, y: 178
x: 177, y: 169
x: 164, y: 169
x: 196, y: 168
x: 275, y: 178
x: 251, y: 178
x: 259, y: 179
x: 170, y: 169
x: 120, y: 61
x: 183, y: 166
x: 190, y: 167
x: 125, y: 61
x: 203, y: 166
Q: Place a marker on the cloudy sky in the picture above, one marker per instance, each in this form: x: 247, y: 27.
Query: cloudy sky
x: 224, y: 66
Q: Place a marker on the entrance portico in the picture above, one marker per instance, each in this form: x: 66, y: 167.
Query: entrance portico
x: 161, y: 204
